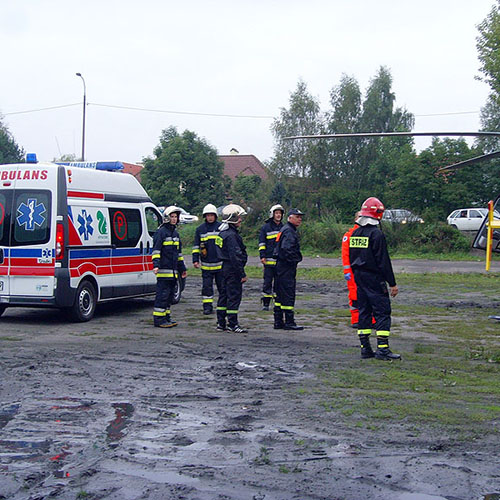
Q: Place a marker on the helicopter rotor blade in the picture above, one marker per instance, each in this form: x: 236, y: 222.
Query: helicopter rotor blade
x: 477, y: 159
x: 395, y: 134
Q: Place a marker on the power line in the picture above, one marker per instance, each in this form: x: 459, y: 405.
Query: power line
x: 181, y: 112
x: 42, y: 109
x: 194, y: 113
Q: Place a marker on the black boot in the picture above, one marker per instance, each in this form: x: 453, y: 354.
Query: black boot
x: 265, y: 303
x: 164, y: 321
x: 221, y: 320
x: 207, y: 308
x: 383, y: 352
x: 279, y: 324
x: 169, y: 322
x: 290, y: 322
x: 158, y: 321
x: 366, y: 348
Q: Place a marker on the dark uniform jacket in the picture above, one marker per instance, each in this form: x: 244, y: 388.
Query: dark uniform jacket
x: 368, y: 252
x: 267, y: 241
x: 204, y: 247
x: 232, y: 251
x: 167, y: 252
x: 287, y: 248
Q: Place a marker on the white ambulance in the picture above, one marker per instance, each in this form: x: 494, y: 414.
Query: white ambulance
x: 73, y: 235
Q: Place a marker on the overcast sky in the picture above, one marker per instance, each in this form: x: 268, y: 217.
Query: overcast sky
x: 223, y: 57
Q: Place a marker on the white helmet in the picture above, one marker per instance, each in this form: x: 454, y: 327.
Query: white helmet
x: 170, y: 210
x: 210, y: 209
x: 231, y: 213
x: 274, y: 208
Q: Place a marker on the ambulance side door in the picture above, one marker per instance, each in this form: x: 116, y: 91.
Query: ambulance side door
x: 152, y: 221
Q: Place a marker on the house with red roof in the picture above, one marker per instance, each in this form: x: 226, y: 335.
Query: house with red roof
x: 236, y: 164
x: 133, y: 168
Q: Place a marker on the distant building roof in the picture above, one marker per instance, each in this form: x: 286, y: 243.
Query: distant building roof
x: 134, y: 169
x: 236, y: 164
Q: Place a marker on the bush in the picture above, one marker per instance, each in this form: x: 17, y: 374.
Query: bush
x: 435, y: 237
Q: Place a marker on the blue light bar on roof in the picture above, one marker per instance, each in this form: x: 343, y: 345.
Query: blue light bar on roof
x: 97, y: 165
x: 31, y: 158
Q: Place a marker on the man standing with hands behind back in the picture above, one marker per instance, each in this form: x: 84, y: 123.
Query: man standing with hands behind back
x: 287, y: 254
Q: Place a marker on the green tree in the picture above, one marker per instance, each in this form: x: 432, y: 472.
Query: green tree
x: 296, y: 157
x: 10, y: 152
x: 344, y: 117
x: 184, y: 170
x: 488, y: 47
x: 246, y: 188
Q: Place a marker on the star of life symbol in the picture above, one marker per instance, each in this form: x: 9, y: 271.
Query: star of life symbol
x: 31, y: 214
x: 85, y: 229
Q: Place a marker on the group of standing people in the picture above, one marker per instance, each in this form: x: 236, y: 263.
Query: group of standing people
x: 219, y: 251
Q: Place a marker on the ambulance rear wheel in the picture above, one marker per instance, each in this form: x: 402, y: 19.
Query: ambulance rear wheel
x: 2, y: 309
x: 85, y: 302
x: 179, y: 287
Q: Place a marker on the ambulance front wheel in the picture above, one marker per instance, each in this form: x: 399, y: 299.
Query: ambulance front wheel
x: 85, y: 302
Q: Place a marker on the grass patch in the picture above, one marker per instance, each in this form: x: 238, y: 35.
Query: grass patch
x: 435, y: 385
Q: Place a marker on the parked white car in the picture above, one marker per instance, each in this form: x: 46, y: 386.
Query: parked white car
x: 187, y: 218
x: 469, y: 219
x: 401, y: 216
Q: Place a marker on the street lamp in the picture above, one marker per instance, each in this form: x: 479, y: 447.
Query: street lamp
x: 84, y: 106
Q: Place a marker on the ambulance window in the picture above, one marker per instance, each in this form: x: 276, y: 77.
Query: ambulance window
x: 126, y: 227
x: 31, y: 217
x: 153, y: 220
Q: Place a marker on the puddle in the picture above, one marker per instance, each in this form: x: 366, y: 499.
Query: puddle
x: 123, y: 412
x: 7, y: 413
x: 492, y: 496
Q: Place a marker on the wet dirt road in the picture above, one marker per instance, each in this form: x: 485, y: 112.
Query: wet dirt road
x: 117, y: 409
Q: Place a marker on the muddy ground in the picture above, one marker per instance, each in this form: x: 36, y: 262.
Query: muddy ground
x: 117, y: 409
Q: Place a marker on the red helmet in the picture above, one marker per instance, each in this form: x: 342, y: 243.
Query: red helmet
x: 372, y: 207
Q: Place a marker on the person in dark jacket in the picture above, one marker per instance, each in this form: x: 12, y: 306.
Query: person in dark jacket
x: 232, y: 252
x: 168, y: 263
x: 205, y: 257
x: 372, y: 268
x: 267, y: 242
x: 287, y: 255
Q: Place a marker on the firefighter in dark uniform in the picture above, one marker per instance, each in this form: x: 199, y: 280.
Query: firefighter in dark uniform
x: 372, y: 268
x: 168, y: 264
x: 205, y: 256
x: 231, y: 251
x: 287, y: 254
x: 267, y: 242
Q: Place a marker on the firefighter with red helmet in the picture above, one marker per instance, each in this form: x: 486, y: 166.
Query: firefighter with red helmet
x: 372, y: 268
x: 267, y: 242
x: 168, y: 263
